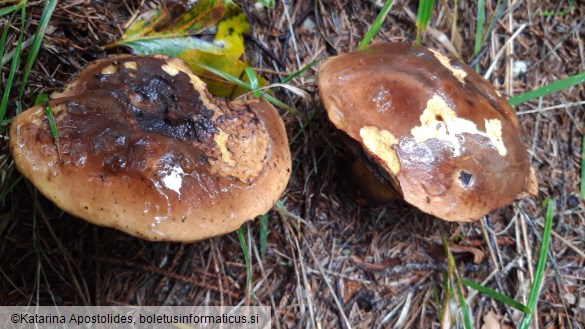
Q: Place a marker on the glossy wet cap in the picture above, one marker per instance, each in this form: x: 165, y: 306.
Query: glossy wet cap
x: 439, y: 132
x: 145, y: 149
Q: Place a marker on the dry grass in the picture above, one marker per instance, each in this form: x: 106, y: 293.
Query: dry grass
x: 329, y: 263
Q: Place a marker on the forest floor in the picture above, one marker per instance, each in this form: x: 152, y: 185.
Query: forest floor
x: 329, y: 262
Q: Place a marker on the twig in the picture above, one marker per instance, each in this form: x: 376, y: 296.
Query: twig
x: 333, y: 294
x: 490, y: 69
x: 554, y: 107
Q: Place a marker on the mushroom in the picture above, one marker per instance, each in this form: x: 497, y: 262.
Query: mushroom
x: 429, y: 127
x: 362, y: 183
x: 142, y: 147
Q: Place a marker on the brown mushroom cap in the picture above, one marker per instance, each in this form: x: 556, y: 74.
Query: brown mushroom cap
x: 440, y: 133
x: 145, y: 149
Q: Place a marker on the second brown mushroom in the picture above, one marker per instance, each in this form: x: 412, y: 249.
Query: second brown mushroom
x: 429, y: 127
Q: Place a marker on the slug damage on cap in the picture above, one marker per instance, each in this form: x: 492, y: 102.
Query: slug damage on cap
x: 457, y: 71
x: 445, y: 139
x: 380, y: 143
x: 145, y: 149
x: 441, y: 122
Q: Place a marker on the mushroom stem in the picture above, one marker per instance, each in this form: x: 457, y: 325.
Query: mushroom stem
x: 363, y: 186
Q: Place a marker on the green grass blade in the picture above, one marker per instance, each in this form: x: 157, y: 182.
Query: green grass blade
x: 496, y: 295
x: 540, y: 267
x: 376, y: 25
x: 479, y: 29
x: 36, y: 44
x: 12, y: 9
x: 9, y: 187
x: 263, y: 234
x: 228, y: 77
x: 461, y: 297
x: 444, y: 304
x: 304, y: 127
x: 501, y: 6
x: 452, y: 269
x: 548, y: 89
x: 281, y: 206
x: 238, y: 82
x: 2, y: 44
x: 280, y: 104
x: 44, y: 100
x: 299, y: 72
x: 253, y: 81
x: 13, y: 65
x: 244, y: 246
x: 583, y: 166
x: 423, y: 17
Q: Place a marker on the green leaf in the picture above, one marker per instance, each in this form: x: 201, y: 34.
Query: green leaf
x: 149, y: 22
x: 172, y: 29
x: 173, y: 18
x: 170, y: 45
x: 204, y: 16
x: 230, y: 35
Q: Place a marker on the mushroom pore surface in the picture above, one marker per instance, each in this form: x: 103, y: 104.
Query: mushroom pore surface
x: 441, y: 134
x: 145, y: 149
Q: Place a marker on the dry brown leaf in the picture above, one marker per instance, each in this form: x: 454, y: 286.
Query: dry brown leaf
x: 375, y: 266
x: 350, y: 288
x: 478, y: 254
x: 490, y: 321
x: 457, y: 41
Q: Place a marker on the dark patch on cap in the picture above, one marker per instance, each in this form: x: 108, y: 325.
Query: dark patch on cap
x: 465, y: 178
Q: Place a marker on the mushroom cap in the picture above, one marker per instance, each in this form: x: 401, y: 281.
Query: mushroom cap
x: 440, y: 133
x: 145, y: 149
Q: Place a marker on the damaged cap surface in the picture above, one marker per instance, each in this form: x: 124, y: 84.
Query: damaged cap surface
x: 145, y: 149
x: 441, y: 134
